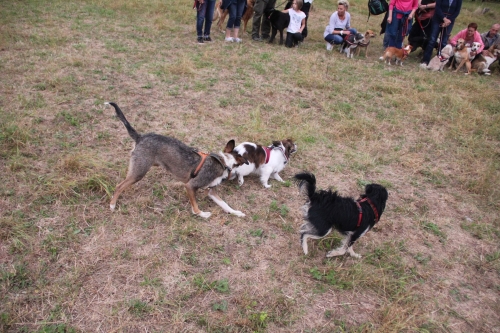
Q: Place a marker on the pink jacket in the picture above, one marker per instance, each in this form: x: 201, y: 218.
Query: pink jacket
x: 463, y: 34
x: 403, y: 5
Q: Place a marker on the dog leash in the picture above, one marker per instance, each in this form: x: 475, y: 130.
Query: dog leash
x: 441, y: 58
x: 281, y: 150
x: 360, y: 210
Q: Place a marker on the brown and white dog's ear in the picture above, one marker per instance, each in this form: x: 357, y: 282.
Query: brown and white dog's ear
x: 276, y: 143
x: 229, y: 146
x: 241, y: 160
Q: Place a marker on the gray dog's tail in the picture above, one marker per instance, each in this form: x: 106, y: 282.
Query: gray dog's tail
x: 308, y: 181
x: 131, y: 131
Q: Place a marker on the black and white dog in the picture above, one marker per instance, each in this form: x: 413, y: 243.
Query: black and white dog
x: 327, y: 210
x: 350, y: 44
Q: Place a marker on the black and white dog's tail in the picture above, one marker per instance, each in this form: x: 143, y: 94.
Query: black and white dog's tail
x: 131, y: 131
x: 306, y: 182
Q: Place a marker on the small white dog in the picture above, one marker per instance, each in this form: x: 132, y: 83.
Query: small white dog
x: 437, y: 63
x: 264, y: 161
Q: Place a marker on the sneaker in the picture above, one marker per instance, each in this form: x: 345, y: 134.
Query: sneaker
x: 207, y: 39
x: 423, y: 65
x: 257, y: 38
x: 237, y: 40
x: 329, y: 46
x: 229, y: 39
x: 200, y: 40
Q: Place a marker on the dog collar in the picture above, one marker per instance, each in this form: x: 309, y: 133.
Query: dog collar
x: 204, y: 157
x: 358, y: 203
x: 364, y: 44
x: 442, y: 59
x: 282, y: 151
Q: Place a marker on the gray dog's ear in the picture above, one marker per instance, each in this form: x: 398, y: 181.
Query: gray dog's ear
x: 229, y: 146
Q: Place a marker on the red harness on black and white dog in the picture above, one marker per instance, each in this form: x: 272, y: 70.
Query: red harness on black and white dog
x: 360, y: 210
x: 268, y: 150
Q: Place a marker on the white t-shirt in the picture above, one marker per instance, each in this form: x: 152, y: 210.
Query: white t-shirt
x: 336, y: 22
x: 295, y: 20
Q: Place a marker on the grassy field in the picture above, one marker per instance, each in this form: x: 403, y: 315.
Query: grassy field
x: 69, y: 264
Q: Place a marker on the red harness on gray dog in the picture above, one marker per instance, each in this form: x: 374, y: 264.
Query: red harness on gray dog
x: 361, y: 210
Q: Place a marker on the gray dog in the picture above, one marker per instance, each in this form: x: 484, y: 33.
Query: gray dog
x: 195, y: 169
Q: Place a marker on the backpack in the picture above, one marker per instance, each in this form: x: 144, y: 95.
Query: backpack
x: 377, y: 7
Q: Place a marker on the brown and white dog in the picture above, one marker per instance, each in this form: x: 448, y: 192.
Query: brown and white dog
x: 437, y: 63
x: 399, y: 54
x: 264, y: 161
x: 365, y: 42
x: 464, y: 55
x: 482, y: 62
x: 222, y: 14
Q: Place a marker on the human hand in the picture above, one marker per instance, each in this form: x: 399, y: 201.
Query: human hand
x: 487, y: 53
x: 347, y: 32
x: 389, y: 20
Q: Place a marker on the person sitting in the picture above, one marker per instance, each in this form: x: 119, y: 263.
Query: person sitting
x: 296, y: 25
x: 469, y: 35
x: 339, y: 25
x: 490, y: 38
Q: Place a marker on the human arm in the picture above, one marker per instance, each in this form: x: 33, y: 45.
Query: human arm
x: 455, y: 38
x: 302, y: 25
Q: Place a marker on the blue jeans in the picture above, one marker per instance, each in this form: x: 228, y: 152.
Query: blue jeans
x: 235, y: 13
x: 205, y: 15
x: 338, y: 39
x: 394, y: 31
x: 435, y: 30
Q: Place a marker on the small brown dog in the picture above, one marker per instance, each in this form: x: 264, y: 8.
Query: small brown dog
x: 400, y: 54
x: 365, y: 42
x: 464, y: 55
x: 222, y: 14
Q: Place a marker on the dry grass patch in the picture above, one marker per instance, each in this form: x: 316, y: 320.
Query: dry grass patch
x: 68, y: 264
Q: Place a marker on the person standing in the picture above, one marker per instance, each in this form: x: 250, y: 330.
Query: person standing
x: 261, y: 27
x: 204, y: 15
x: 445, y: 14
x: 235, y: 9
x: 399, y: 19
